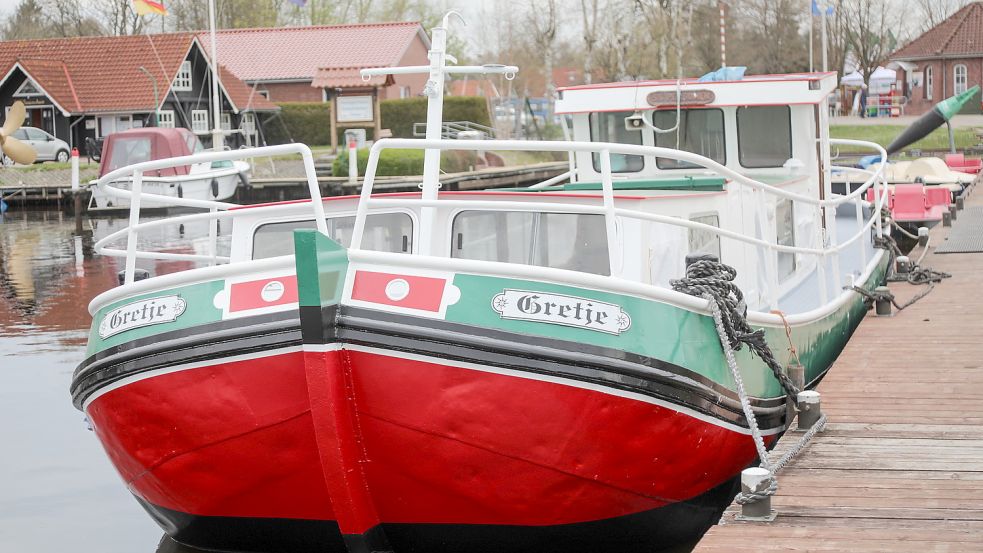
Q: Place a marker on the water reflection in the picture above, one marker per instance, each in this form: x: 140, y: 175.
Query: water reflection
x: 60, y: 492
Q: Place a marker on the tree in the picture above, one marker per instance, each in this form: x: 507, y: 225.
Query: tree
x: 588, y: 9
x: 869, y: 34
x: 934, y: 12
x: 27, y: 21
x: 542, y: 23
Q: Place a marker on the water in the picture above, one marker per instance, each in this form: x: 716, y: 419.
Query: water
x: 58, y: 491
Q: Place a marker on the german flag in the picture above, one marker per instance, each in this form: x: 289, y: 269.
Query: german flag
x: 149, y: 7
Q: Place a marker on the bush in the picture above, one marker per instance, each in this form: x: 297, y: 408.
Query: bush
x: 392, y: 163
x: 310, y: 122
x: 305, y: 122
x: 400, y: 163
x: 399, y: 115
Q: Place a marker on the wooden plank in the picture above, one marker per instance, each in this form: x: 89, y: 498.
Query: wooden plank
x: 900, y: 465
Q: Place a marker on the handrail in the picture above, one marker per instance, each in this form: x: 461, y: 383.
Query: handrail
x: 614, y: 148
x: 828, y: 246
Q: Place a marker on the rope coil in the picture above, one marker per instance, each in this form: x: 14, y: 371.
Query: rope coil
x: 714, y: 280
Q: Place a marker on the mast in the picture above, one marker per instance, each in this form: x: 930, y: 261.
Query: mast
x: 438, y: 70
x: 218, y: 141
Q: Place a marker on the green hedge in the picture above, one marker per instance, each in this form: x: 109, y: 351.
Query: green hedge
x: 399, y: 115
x: 305, y: 122
x: 310, y: 122
x: 399, y: 163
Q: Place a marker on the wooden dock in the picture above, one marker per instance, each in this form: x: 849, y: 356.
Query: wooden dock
x: 900, y: 465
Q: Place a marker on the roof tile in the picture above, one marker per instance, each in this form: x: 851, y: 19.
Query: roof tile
x: 98, y: 74
x: 297, y: 53
x: 960, y: 34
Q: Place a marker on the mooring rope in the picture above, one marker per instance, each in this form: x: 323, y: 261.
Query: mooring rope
x: 711, y: 278
x: 916, y: 274
x: 714, y: 282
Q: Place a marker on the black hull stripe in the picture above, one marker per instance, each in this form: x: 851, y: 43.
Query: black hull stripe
x: 649, y: 381
x: 653, y: 530
x: 454, y: 341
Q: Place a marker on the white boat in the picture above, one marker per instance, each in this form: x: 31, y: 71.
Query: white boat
x: 204, y: 181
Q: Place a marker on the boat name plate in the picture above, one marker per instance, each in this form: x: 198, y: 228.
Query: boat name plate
x: 686, y: 98
x: 164, y: 309
x: 527, y: 305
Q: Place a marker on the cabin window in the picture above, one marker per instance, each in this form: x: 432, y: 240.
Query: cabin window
x: 199, y: 120
x: 610, y: 127
x: 182, y: 81
x: 127, y: 151
x: 572, y: 241
x: 384, y: 232
x: 929, y: 82
x: 165, y: 118
x: 705, y: 241
x: 764, y: 136
x: 958, y: 79
x: 700, y: 131
x: 785, y: 234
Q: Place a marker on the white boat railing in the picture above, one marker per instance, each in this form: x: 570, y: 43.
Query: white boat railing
x: 828, y: 247
x: 217, y: 210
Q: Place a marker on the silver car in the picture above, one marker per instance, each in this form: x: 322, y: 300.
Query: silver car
x: 48, y: 147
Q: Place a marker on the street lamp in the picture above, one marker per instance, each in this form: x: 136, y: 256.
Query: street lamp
x: 153, y: 80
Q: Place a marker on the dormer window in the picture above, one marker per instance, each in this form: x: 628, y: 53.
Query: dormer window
x: 182, y: 82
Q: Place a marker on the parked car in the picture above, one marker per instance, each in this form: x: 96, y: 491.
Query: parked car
x: 48, y: 147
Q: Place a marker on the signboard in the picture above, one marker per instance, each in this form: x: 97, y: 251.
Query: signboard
x: 147, y: 312
x: 353, y: 109
x: 560, y: 309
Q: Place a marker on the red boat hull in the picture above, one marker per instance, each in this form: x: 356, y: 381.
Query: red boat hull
x: 237, y: 454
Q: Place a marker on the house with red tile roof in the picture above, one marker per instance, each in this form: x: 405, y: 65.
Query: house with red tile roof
x: 88, y: 87
x: 945, y: 60
x: 296, y: 64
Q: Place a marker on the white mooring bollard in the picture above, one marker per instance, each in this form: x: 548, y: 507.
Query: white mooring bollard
x: 809, y: 409
x: 755, y: 480
x: 352, y: 161
x: 923, y: 236
x: 903, y: 264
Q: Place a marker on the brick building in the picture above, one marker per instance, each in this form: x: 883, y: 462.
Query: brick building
x: 946, y: 60
x: 282, y: 63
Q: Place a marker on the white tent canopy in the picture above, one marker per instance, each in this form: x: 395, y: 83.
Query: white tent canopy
x: 881, y: 77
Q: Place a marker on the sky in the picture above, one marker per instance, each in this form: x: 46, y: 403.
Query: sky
x: 7, y: 6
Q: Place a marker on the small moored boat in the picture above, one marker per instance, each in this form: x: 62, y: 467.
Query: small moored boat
x: 214, y: 181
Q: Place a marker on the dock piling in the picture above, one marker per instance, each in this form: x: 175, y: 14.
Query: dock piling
x: 76, y: 191
x: 946, y: 219
x: 952, y: 211
x: 882, y: 306
x: 809, y: 409
x: 755, y: 480
x: 923, y: 236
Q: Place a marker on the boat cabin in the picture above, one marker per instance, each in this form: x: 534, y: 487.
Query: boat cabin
x: 144, y: 144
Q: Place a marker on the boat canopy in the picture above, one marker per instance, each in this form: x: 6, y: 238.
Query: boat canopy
x: 146, y: 144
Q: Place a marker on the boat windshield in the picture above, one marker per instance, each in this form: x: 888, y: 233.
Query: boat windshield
x: 700, y: 131
x: 571, y: 241
x: 384, y: 232
x: 127, y: 151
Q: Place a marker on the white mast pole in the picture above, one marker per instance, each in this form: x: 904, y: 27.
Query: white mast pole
x: 218, y: 142
x: 812, y: 23
x: 822, y: 15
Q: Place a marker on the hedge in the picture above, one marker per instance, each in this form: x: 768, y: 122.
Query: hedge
x: 398, y: 163
x: 399, y: 115
x: 305, y: 122
x: 310, y: 122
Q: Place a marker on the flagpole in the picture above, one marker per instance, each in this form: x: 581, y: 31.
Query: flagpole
x: 812, y: 23
x: 218, y: 142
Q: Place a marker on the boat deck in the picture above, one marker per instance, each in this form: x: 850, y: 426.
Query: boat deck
x: 900, y: 464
